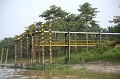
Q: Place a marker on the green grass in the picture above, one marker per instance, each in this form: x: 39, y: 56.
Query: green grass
x: 49, y: 67
x: 102, y: 53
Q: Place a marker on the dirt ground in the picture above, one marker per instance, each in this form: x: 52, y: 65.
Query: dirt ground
x: 102, y: 67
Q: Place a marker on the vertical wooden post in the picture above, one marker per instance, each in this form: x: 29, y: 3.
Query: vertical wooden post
x: 69, y: 45
x: 39, y: 47
x: 32, y: 50
x: 2, y: 55
x: 50, y: 43
x: 67, y: 48
x: 65, y: 44
x: 55, y: 48
x: 27, y: 49
x: 6, y: 57
x: 21, y: 49
x: 75, y: 40
x: 15, y: 62
x: 107, y: 38
x: 30, y: 57
x: 99, y: 37
x: 87, y: 41
x: 34, y: 40
x: 43, y: 59
x: 33, y: 47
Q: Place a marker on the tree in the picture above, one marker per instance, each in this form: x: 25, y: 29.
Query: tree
x: 116, y: 20
x: 9, y: 44
x: 86, y: 17
x: 71, y: 22
x: 55, y: 15
x: 116, y: 27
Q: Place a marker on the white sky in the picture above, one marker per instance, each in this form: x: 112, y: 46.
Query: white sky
x: 17, y: 14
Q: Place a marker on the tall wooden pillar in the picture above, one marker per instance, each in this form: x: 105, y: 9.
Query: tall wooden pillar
x: 87, y: 41
x: 30, y: 56
x: 27, y: 49
x: 6, y: 57
x: 99, y: 37
x: 34, y: 47
x: 56, y: 53
x: 21, y: 51
x: 69, y: 45
x: 33, y: 51
x: 75, y: 40
x: 39, y: 55
x: 65, y: 44
x: 15, y: 62
x: 50, y: 43
x: 43, y: 55
x: 2, y: 55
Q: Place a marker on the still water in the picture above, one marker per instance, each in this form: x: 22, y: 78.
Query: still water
x: 47, y: 74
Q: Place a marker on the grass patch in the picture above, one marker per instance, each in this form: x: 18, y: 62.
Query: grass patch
x: 49, y: 67
x: 99, y: 53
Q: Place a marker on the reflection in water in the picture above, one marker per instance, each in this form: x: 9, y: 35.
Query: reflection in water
x: 47, y: 74
x: 5, y: 72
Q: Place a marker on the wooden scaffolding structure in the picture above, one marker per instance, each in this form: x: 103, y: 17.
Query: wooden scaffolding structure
x: 30, y: 40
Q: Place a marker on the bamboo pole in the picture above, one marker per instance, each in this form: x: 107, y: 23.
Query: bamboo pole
x: 32, y: 53
x: 6, y: 57
x: 87, y: 41
x: 34, y: 49
x: 65, y: 44
x: 99, y: 37
x: 50, y: 43
x: 27, y: 50
x: 69, y: 45
x: 30, y: 57
x: 66, y: 47
x: 56, y: 51
x: 2, y: 55
x: 21, y: 49
x: 76, y: 46
x: 15, y: 62
x: 43, y: 59
x: 39, y: 48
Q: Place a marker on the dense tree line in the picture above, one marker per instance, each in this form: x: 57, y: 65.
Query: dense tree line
x: 9, y: 44
x: 65, y: 21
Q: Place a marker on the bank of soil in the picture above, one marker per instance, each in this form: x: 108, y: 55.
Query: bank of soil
x: 102, y: 67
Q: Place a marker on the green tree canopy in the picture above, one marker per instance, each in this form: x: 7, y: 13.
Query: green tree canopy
x: 116, y: 27
x: 116, y: 20
x: 55, y: 15
x: 86, y: 17
x: 62, y: 20
x: 9, y: 44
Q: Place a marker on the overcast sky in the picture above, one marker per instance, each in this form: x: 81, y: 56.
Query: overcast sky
x: 17, y: 14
